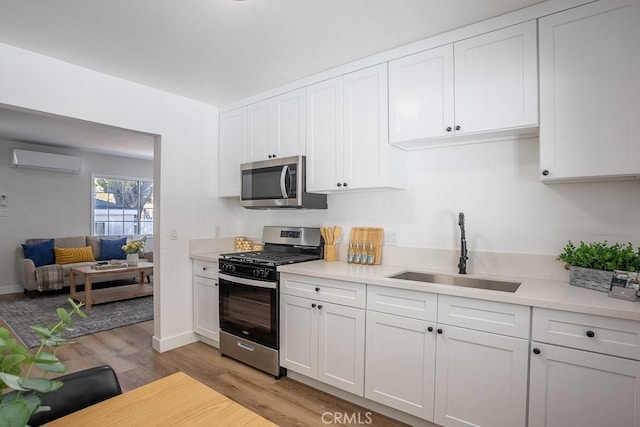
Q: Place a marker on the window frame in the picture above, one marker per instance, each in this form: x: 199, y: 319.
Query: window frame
x: 121, y: 178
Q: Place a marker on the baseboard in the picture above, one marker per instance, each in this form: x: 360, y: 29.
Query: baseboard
x: 166, y: 344
x: 365, y: 403
x: 11, y: 289
x: 209, y: 341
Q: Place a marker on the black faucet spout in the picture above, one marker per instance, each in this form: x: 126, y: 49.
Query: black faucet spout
x: 464, y: 256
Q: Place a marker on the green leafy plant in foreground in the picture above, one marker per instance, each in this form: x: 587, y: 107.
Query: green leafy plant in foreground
x: 601, y: 256
x: 18, y: 404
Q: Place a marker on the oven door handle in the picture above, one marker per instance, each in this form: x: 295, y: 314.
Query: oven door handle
x: 248, y: 282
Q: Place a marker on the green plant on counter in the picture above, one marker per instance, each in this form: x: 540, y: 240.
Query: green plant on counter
x: 601, y: 256
x: 17, y: 406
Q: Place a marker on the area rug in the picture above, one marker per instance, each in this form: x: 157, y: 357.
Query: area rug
x: 20, y: 314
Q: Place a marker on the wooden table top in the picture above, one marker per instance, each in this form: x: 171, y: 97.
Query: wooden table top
x: 176, y: 400
x: 86, y: 269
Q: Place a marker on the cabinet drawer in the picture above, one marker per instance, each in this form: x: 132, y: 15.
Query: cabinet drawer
x: 205, y: 269
x: 402, y: 302
x: 489, y: 316
x: 328, y: 290
x: 618, y: 337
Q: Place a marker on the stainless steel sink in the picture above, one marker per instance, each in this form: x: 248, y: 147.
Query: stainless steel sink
x: 467, y: 282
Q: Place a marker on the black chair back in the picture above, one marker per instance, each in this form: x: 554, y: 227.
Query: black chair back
x: 80, y: 389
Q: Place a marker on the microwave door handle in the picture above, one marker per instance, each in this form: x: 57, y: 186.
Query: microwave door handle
x: 283, y: 185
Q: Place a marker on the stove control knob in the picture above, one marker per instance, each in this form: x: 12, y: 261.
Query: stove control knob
x: 229, y: 268
x: 260, y: 272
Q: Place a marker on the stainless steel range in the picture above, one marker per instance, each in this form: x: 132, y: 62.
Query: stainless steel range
x: 249, y: 294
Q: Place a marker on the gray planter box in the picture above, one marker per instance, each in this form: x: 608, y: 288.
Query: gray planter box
x: 598, y: 280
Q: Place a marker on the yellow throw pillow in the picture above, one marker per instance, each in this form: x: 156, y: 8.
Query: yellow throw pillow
x: 71, y: 255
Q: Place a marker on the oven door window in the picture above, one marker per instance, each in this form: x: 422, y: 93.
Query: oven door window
x: 249, y: 312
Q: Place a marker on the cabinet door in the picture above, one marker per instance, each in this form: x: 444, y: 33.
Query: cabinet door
x: 289, y: 128
x: 276, y: 127
x: 232, y: 140
x: 400, y: 363
x: 366, y: 130
x: 325, y: 127
x: 421, y: 95
x: 496, y: 80
x: 206, y: 309
x: 341, y: 347
x: 260, y: 131
x: 590, y: 91
x: 299, y: 335
x: 578, y: 388
x: 481, y: 379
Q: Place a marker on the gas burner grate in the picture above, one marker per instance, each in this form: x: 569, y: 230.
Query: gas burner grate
x: 269, y: 258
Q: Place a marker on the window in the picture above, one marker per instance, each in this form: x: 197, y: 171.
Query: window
x: 122, y: 206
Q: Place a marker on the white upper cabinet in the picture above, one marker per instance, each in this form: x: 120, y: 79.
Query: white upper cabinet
x: 496, y: 78
x: 485, y: 85
x: 325, y: 134
x: 276, y: 127
x: 590, y: 92
x: 421, y: 95
x: 347, y: 134
x: 232, y: 140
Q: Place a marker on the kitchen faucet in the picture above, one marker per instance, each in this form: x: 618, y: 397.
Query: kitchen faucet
x: 462, y: 264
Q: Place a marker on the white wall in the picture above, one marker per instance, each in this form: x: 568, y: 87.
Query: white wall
x: 185, y: 173
x: 51, y: 204
x: 497, y: 186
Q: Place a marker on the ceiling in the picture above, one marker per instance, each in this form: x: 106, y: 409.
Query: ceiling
x: 220, y: 51
x: 46, y: 129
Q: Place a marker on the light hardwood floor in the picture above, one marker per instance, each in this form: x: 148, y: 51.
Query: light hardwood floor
x: 284, y: 401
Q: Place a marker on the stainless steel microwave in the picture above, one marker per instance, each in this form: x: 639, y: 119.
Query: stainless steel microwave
x: 276, y: 184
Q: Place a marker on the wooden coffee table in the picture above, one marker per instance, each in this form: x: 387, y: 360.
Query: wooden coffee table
x: 116, y: 293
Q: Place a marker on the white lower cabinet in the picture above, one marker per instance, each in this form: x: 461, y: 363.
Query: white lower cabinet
x: 572, y: 387
x: 481, y: 378
x: 206, y: 321
x: 447, y: 373
x: 323, y: 341
x: 596, y: 383
x: 400, y: 367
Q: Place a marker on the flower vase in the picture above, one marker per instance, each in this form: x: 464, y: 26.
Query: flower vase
x: 132, y: 259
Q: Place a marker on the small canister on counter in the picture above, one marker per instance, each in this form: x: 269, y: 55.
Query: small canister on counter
x: 247, y: 245
x: 239, y: 241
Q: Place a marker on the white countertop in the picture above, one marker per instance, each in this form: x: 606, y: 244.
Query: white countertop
x: 206, y: 256
x: 553, y: 294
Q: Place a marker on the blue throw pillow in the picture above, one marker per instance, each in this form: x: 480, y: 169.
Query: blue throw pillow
x: 40, y: 253
x: 112, y: 249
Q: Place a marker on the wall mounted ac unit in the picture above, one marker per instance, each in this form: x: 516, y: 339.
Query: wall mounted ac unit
x: 46, y: 161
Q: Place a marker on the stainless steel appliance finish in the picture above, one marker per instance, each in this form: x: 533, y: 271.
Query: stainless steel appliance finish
x: 249, y: 294
x: 278, y: 183
x: 259, y: 356
x: 283, y: 245
x: 467, y: 282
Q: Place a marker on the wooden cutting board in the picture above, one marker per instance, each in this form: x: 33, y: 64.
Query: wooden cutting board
x: 369, y: 234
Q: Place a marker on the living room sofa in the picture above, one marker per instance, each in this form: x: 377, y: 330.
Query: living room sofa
x: 26, y: 268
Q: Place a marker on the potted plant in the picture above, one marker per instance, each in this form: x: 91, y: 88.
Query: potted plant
x: 592, y: 265
x: 17, y: 363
